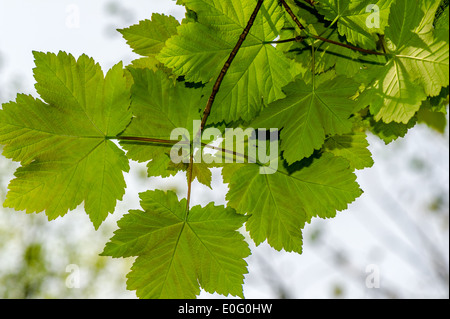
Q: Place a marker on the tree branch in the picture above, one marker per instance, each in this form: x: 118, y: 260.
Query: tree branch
x: 292, y: 14
x: 227, y: 65
x: 145, y: 139
x: 216, y: 89
x: 351, y: 47
x: 170, y: 143
x: 302, y: 27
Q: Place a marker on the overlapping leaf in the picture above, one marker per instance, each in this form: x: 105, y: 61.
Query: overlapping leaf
x: 418, y: 67
x: 441, y: 22
x: 149, y: 36
x: 281, y: 203
x: 326, y: 55
x: 178, y: 254
x: 63, y: 143
x: 433, y: 111
x: 389, y: 132
x: 201, y: 48
x: 160, y: 107
x: 353, y: 147
x: 309, y: 113
x: 358, y: 20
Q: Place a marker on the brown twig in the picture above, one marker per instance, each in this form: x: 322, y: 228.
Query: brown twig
x: 311, y: 2
x: 292, y: 14
x: 215, y: 90
x: 145, y: 139
x: 348, y: 46
x: 227, y: 65
x: 171, y: 142
x: 302, y: 27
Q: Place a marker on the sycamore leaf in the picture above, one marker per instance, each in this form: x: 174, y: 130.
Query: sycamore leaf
x: 200, y: 50
x: 178, y: 254
x: 394, y: 96
x: 442, y: 20
x: 201, y: 171
x: 149, y: 36
x: 281, y: 203
x: 426, y: 25
x: 353, y: 147
x: 440, y: 103
x: 309, y: 113
x: 150, y: 63
x: 434, y: 111
x: 434, y: 120
x: 327, y: 55
x: 418, y: 66
x: 428, y: 66
x: 358, y: 20
x: 161, y: 106
x: 389, y: 132
x: 63, y: 143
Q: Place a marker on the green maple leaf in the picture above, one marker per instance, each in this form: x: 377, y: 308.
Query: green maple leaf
x: 433, y: 111
x: 149, y: 36
x: 418, y: 66
x: 160, y: 106
x: 352, y: 17
x: 434, y: 120
x: 201, y: 48
x: 63, y: 143
x: 309, y: 113
x: 429, y: 9
x: 280, y: 204
x: 353, y: 147
x: 178, y: 254
x: 327, y: 55
x: 442, y: 20
x: 389, y: 132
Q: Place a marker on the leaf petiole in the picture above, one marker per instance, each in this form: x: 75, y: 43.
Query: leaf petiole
x: 317, y: 37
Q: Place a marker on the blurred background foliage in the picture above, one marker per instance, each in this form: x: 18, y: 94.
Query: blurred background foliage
x: 36, y: 255
x: 401, y: 224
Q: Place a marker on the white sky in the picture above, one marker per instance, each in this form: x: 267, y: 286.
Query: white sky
x: 76, y: 27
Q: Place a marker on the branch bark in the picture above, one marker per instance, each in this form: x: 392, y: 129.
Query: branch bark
x: 216, y: 89
x: 145, y: 139
x: 227, y: 65
x: 292, y: 14
x: 302, y: 27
